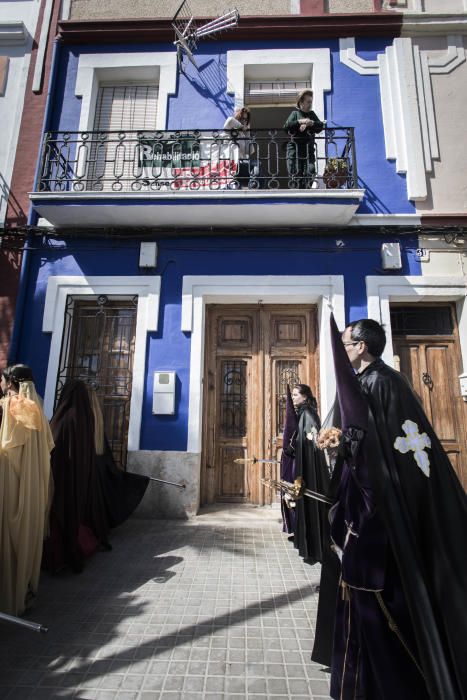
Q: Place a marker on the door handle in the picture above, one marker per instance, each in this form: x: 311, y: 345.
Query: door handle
x: 210, y: 380
x: 427, y: 380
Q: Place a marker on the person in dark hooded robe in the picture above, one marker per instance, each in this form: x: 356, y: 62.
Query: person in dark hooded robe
x: 77, y: 520
x: 91, y: 495
x: 310, y: 465
x: 398, y: 526
x: 121, y: 491
x: 331, y: 568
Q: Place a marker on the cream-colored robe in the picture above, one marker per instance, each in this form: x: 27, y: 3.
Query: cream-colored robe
x: 25, y: 495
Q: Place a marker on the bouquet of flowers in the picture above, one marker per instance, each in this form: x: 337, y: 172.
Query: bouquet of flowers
x: 329, y: 439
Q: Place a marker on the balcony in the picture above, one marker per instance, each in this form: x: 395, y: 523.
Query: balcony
x: 124, y: 179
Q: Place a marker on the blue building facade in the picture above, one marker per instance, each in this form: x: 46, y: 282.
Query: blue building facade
x: 172, y: 259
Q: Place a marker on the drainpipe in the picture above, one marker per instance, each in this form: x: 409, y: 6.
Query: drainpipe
x: 26, y: 260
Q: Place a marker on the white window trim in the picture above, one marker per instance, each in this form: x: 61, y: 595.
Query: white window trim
x: 13, y: 32
x: 42, y: 46
x: 327, y: 291
x: 93, y: 68
x: 381, y: 291
x: 320, y: 73
x: 349, y: 57
x: 148, y: 291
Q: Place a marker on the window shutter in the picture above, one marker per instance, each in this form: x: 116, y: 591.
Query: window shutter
x: 278, y: 92
x: 126, y: 108
x: 114, y: 161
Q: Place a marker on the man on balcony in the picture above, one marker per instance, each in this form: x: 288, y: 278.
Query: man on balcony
x: 302, y: 124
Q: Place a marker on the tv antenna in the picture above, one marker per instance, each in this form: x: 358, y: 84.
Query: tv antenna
x: 188, y: 33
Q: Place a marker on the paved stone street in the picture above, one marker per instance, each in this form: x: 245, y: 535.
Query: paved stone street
x: 220, y: 607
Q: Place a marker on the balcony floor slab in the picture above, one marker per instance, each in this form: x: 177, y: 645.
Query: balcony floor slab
x: 228, y: 209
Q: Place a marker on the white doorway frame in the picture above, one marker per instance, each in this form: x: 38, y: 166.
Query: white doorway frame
x: 381, y: 291
x: 326, y: 291
x: 147, y: 289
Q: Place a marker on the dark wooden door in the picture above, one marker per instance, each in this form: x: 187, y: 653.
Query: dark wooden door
x: 252, y: 352
x: 431, y: 361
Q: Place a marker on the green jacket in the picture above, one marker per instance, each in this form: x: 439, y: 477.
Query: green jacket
x: 292, y: 126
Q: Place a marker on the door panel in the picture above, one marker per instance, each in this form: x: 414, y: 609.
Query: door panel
x: 432, y: 364
x: 250, y: 358
x: 232, y: 428
x: 233, y: 399
x: 285, y: 372
x: 232, y: 484
x: 410, y: 364
x: 290, y: 354
x: 441, y: 392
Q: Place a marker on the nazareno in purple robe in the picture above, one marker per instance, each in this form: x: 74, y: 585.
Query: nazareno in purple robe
x: 398, y: 524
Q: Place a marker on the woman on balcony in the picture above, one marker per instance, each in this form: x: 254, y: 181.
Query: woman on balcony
x: 302, y: 124
x: 242, y: 146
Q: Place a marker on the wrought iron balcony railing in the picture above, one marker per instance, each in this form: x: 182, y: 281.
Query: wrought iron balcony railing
x: 194, y: 160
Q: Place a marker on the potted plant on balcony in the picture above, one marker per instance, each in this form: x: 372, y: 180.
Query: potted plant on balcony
x: 335, y: 173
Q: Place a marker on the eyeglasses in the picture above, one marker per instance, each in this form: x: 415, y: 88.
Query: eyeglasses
x: 355, y: 342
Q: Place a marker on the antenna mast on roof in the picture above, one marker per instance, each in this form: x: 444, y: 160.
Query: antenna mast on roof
x: 187, y: 33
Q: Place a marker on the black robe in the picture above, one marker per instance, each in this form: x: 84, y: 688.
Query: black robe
x: 331, y: 568
x: 121, y: 491
x: 91, y: 495
x: 311, y: 515
x: 407, y: 561
x: 287, y: 468
x: 77, y: 520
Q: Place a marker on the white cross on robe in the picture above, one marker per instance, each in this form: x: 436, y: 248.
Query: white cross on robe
x: 415, y: 442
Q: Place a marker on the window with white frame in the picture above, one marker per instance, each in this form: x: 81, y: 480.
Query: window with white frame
x: 120, y: 93
x: 122, y: 111
x: 121, y: 107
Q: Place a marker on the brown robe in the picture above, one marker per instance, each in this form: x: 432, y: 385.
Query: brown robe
x: 25, y: 491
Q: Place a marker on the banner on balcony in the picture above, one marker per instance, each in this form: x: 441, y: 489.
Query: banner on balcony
x: 188, y: 163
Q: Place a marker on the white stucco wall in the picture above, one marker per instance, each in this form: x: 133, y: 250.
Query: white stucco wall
x: 11, y: 102
x: 447, y: 184
x: 443, y: 256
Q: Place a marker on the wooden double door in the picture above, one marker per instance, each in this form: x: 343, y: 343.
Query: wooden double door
x: 252, y: 353
x: 427, y: 351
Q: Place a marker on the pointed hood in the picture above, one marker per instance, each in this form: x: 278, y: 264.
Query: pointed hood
x: 352, y: 403
x: 290, y: 426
